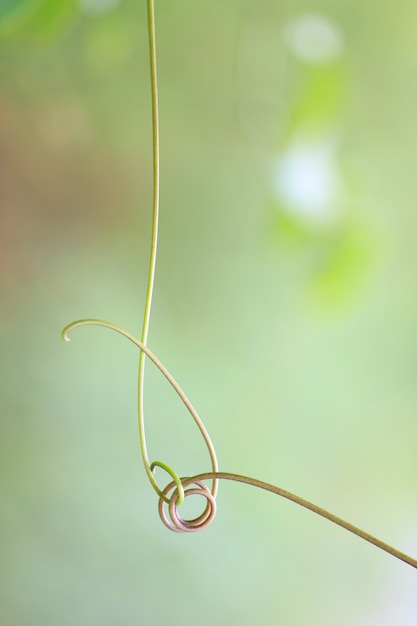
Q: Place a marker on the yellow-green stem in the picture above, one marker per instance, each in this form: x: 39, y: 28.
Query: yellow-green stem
x: 154, y: 241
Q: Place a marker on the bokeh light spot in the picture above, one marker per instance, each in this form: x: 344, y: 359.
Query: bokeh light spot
x: 305, y: 180
x: 314, y: 39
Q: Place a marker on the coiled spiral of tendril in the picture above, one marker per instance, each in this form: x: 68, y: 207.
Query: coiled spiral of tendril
x: 168, y: 512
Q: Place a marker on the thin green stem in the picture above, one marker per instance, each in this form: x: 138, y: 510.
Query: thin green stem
x: 154, y: 241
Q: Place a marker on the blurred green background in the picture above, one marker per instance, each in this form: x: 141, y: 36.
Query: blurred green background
x: 285, y: 304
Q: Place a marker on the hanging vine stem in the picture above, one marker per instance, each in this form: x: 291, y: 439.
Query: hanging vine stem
x: 154, y: 246
x: 174, y: 494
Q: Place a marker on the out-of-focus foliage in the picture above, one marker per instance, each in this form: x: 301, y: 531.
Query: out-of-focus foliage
x: 37, y: 18
x: 286, y: 305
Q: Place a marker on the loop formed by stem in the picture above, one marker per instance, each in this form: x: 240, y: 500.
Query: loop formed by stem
x: 149, y: 467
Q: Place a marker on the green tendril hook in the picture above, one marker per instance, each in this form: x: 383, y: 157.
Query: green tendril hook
x: 174, y: 494
x: 145, y: 350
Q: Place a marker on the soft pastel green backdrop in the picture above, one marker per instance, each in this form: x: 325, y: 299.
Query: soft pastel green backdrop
x: 285, y: 304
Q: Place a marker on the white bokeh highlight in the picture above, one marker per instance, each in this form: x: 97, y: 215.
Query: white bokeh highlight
x: 314, y: 39
x: 305, y: 180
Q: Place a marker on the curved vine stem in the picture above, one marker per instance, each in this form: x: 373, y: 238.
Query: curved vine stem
x: 259, y: 484
x: 145, y: 350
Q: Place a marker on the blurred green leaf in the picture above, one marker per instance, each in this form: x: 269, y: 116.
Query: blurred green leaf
x: 337, y: 258
x: 345, y: 263
x: 51, y: 17
x: 110, y: 41
x: 15, y: 13
x: 291, y: 232
x: 320, y: 98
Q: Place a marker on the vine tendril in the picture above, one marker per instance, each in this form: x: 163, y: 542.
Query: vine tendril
x: 154, y: 242
x: 173, y: 495
x: 180, y: 525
